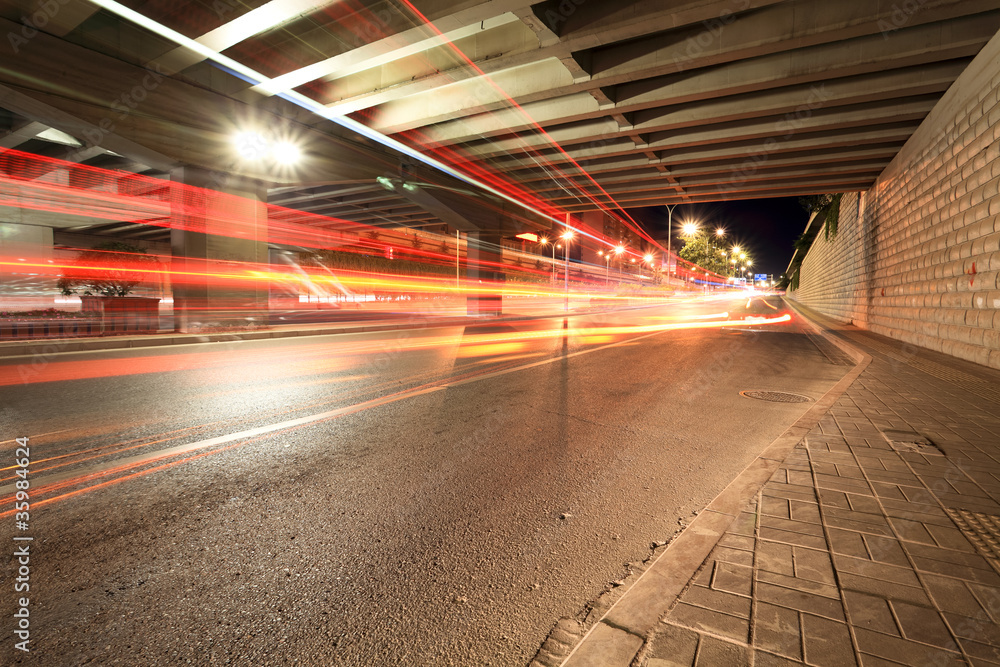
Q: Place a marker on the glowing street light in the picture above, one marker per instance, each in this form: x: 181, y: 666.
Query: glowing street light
x: 690, y: 229
x: 286, y: 153
x: 250, y: 145
x: 720, y: 232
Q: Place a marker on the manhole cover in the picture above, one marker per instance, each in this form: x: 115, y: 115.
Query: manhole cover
x: 776, y: 396
x: 983, y: 530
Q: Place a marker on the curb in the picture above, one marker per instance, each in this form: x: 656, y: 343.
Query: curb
x: 616, y: 638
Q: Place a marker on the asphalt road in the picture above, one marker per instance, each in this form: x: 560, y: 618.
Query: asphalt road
x: 421, y: 497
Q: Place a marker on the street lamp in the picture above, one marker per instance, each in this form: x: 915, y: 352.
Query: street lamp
x: 690, y: 228
x: 567, y: 236
x: 552, y: 271
x: 670, y: 238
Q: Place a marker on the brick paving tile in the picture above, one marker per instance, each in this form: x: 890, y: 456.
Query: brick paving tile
x: 881, y: 588
x: 893, y: 477
x: 834, y: 498
x: 989, y: 597
x: 859, y: 521
x: 885, y: 550
x: 799, y: 600
x: 813, y: 565
x: 726, y: 603
x: 894, y: 648
x: 790, y: 492
x: 980, y: 650
x: 988, y: 577
x: 870, y: 612
x: 948, y: 555
x: 881, y: 571
x: 714, y: 652
x: 775, y: 557
x: 848, y: 543
x: 864, y: 504
x: 765, y: 659
x: 954, y: 596
x: 843, y: 484
x: 788, y: 525
x: 735, y: 556
x: 920, y: 512
x: 885, y: 490
x: 778, y: 507
x: 971, y: 628
x: 801, y: 478
x: 923, y: 624
x: 807, y: 512
x: 827, y: 643
x: 777, y: 629
x: 698, y: 618
x: 790, y: 537
x: 912, y: 531
x: 732, y: 578
x: 799, y: 584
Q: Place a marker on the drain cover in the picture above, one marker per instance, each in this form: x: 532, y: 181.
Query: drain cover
x: 908, y: 441
x: 983, y: 530
x: 776, y: 396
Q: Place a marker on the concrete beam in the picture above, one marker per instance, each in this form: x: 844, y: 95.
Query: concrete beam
x: 157, y: 120
x: 800, y: 67
x: 21, y: 133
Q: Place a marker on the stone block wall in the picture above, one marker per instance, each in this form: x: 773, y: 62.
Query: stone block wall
x: 917, y: 257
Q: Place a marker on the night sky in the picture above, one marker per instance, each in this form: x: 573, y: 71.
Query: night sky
x: 766, y: 228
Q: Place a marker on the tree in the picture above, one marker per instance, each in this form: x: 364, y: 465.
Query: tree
x: 827, y: 209
x: 108, y: 269
x: 700, y: 250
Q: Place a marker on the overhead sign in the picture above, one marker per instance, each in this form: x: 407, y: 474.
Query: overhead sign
x: 757, y: 277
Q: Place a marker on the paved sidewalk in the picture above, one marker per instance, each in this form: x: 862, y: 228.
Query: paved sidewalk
x: 876, y: 540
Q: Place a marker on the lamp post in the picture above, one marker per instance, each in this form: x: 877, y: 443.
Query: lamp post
x: 566, y: 237
x: 670, y: 238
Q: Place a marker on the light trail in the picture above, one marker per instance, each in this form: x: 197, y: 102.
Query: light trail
x: 225, y: 443
x: 61, y: 371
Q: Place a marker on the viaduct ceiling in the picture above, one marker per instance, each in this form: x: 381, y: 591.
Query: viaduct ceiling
x: 567, y: 104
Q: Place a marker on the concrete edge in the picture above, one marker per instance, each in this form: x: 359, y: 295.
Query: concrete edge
x: 636, y: 613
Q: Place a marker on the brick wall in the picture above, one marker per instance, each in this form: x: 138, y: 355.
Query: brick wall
x: 917, y: 257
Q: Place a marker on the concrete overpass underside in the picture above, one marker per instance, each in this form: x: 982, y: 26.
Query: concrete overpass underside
x: 504, y: 115
x: 580, y: 105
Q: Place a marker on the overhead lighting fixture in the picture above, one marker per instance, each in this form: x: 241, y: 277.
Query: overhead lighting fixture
x: 250, y: 145
x: 286, y: 153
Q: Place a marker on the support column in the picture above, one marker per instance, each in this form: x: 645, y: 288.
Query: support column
x: 30, y: 289
x: 484, y: 247
x: 220, y: 229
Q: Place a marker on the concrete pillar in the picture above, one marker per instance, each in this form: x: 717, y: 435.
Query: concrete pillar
x: 220, y: 226
x: 28, y: 290
x: 484, y: 247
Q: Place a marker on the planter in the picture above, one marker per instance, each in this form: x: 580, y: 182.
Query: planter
x: 124, y: 314
x: 48, y: 328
